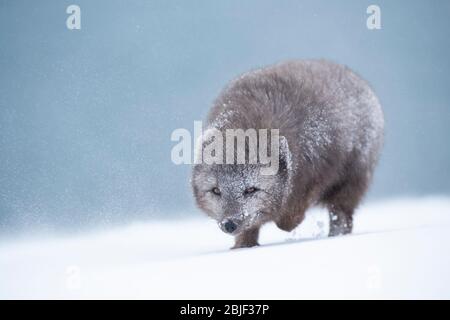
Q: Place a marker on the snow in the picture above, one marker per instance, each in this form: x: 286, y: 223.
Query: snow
x: 399, y: 249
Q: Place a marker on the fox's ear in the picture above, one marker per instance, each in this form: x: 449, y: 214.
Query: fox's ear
x: 285, y: 167
x: 285, y: 155
x: 280, y: 159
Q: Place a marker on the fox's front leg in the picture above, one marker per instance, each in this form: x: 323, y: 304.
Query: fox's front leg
x: 247, y: 238
x: 289, y: 222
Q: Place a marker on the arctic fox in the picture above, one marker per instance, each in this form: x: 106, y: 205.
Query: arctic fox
x: 330, y: 131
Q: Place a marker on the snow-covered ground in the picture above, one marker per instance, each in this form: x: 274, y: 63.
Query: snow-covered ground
x: 399, y: 249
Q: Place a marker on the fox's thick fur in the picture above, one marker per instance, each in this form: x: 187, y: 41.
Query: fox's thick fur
x: 333, y: 125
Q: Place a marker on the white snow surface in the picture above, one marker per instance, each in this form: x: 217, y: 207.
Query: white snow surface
x: 399, y: 249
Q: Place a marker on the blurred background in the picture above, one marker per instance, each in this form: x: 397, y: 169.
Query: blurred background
x: 86, y: 115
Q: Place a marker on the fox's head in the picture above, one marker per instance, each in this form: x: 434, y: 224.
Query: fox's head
x: 242, y: 196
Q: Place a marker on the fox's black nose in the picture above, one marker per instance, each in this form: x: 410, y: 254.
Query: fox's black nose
x: 229, y: 226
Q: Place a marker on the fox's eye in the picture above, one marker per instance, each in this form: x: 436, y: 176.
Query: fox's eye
x: 250, y: 190
x: 216, y: 191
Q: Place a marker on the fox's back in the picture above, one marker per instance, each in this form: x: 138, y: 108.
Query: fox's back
x: 316, y: 104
